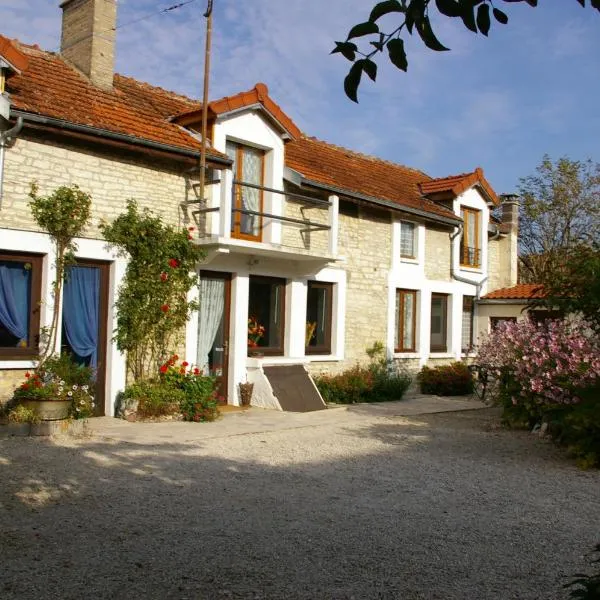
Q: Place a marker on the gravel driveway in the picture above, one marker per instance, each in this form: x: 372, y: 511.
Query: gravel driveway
x: 442, y: 506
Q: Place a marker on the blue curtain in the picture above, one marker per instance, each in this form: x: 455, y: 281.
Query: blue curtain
x: 15, y: 284
x: 81, y: 294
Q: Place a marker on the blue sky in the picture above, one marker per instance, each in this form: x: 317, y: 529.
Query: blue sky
x: 500, y: 103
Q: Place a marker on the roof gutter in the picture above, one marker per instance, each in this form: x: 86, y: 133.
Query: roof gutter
x: 112, y: 135
x: 383, y: 203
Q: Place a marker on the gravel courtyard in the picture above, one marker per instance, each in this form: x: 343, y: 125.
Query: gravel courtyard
x: 351, y: 504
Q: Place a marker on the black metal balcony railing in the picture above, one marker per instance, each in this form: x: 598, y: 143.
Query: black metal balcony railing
x: 469, y: 256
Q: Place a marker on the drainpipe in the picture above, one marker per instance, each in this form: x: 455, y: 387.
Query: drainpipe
x: 455, y: 275
x: 7, y: 139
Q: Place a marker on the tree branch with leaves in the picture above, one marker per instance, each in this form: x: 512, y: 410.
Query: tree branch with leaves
x: 414, y: 16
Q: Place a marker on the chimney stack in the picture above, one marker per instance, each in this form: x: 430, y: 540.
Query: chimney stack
x: 510, y: 222
x: 88, y: 38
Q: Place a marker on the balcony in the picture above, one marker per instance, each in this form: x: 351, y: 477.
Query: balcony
x: 470, y: 257
x: 246, y: 218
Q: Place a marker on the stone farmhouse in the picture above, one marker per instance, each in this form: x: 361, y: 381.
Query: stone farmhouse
x: 328, y: 249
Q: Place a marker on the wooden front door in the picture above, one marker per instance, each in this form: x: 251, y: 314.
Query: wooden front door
x: 213, y: 328
x: 85, y: 320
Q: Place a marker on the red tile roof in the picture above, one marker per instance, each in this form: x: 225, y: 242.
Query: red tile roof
x: 13, y: 56
x: 522, y: 291
x: 259, y: 94
x: 51, y: 87
x: 457, y: 184
x: 357, y: 173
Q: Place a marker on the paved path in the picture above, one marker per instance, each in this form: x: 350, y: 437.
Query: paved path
x: 257, y: 420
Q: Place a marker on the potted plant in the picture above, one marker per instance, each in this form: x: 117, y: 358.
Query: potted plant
x: 246, y: 390
x: 58, y: 389
x: 256, y: 332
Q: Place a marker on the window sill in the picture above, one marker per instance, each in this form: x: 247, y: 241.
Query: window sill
x: 410, y: 261
x: 471, y: 269
x: 19, y: 363
x: 407, y: 355
x: 257, y: 361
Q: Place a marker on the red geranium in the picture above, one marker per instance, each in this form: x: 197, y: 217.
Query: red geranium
x: 165, y: 308
x: 196, y: 371
x: 173, y: 263
x: 191, y: 228
x: 28, y: 375
x: 185, y: 363
x: 164, y: 369
x: 164, y: 276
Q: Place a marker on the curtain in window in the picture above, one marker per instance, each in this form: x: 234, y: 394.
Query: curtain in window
x: 81, y: 297
x: 251, y: 173
x: 210, y: 317
x: 409, y: 324
x: 15, y: 286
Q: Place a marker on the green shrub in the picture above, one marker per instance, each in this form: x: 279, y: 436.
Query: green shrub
x: 377, y: 382
x: 454, y: 379
x: 22, y: 414
x: 64, y: 368
x: 155, y: 399
x: 199, y: 402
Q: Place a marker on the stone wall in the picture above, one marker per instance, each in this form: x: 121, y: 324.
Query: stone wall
x: 110, y: 178
x: 9, y: 380
x: 296, y: 236
x: 437, y: 254
x: 502, y: 266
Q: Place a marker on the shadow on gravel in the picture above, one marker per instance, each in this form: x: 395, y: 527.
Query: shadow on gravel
x: 433, y: 510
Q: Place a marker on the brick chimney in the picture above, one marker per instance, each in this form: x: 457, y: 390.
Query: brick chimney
x: 88, y: 38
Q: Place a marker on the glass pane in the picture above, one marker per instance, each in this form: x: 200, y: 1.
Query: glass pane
x: 407, y: 240
x: 251, y: 173
x: 317, y: 316
x: 438, y: 322
x: 265, y: 308
x: 231, y: 150
x: 409, y: 324
x: 211, y: 332
x: 467, y: 323
x: 15, y: 303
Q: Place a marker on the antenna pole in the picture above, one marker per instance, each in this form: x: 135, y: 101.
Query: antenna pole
x: 208, y: 17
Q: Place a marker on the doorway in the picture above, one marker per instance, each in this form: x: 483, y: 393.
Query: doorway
x: 213, y: 328
x: 85, y: 319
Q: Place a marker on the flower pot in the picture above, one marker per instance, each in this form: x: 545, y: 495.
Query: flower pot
x: 246, y: 390
x: 49, y: 410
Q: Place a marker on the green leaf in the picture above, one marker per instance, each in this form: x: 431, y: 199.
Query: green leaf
x: 595, y: 4
x: 483, y: 18
x: 397, y: 54
x: 369, y: 67
x: 361, y: 29
x: 378, y: 46
x: 500, y: 16
x: 449, y: 8
x: 468, y: 17
x: 352, y: 81
x: 346, y: 49
x: 426, y: 32
x: 384, y: 8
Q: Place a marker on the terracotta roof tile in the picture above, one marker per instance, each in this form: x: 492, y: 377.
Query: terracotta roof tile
x: 358, y: 173
x: 457, y: 184
x: 51, y: 87
x: 522, y: 291
x: 12, y: 55
x: 259, y: 94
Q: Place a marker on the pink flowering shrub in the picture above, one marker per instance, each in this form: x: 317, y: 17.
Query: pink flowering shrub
x: 548, y: 363
x: 549, y: 373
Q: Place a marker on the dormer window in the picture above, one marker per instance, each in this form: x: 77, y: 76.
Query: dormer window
x: 470, y: 243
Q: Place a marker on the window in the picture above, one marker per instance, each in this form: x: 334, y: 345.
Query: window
x: 408, y: 246
x: 470, y: 243
x: 406, y: 313
x: 20, y: 294
x: 467, y: 324
x: 266, y: 315
x: 495, y: 321
x: 439, y: 323
x: 318, y: 318
x: 247, y: 202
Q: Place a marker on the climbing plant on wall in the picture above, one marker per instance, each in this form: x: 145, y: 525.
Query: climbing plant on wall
x: 153, y: 304
x: 64, y: 215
